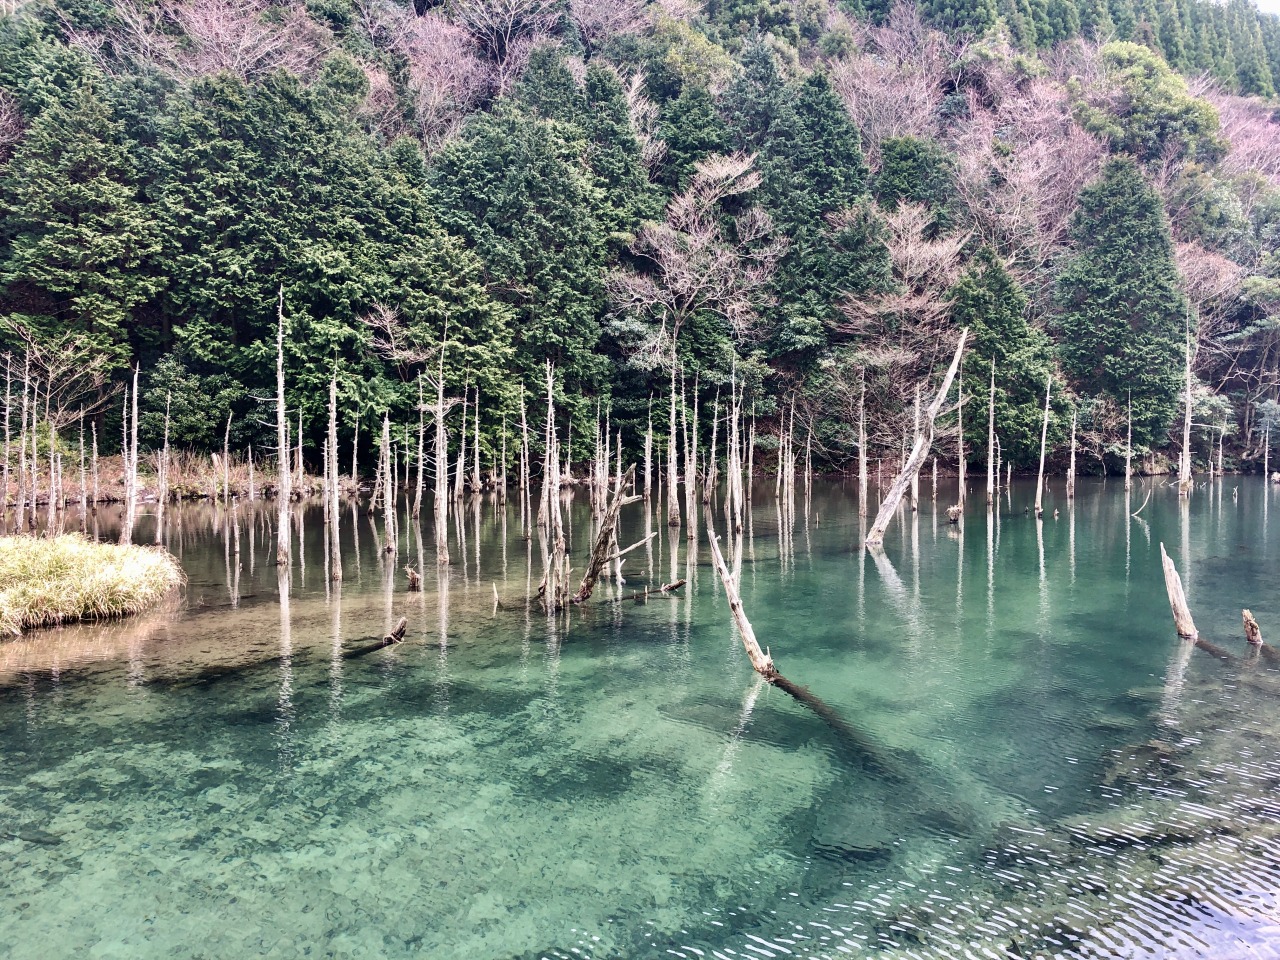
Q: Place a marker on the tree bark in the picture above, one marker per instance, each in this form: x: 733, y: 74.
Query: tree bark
x: 760, y: 659
x: 1177, y: 599
x: 1252, y: 632
x: 918, y: 453
x: 283, y: 491
x: 1071, y: 470
x: 1184, y: 462
x: 1044, y: 439
x: 991, y: 438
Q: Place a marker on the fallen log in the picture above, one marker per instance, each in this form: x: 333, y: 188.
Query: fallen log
x: 391, y: 639
x: 666, y: 588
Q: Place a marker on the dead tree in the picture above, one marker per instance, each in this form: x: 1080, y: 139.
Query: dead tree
x: 1071, y: 469
x: 283, y: 490
x: 1177, y: 599
x: 991, y: 439
x: 331, y: 465
x: 602, y: 552
x: 919, y: 451
x: 761, y: 661
x: 1252, y: 632
x: 1185, y: 483
x: 1044, y: 437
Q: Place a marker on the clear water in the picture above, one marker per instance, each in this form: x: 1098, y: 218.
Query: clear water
x: 1036, y: 765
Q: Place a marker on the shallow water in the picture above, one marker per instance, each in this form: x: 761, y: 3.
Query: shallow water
x: 1036, y: 765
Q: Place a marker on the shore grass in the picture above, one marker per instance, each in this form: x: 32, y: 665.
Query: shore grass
x: 44, y: 582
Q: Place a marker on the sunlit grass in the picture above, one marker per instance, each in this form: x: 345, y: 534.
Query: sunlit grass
x: 49, y: 581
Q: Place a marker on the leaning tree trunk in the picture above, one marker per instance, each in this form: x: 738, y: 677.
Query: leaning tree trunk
x: 1177, y: 599
x: 918, y: 452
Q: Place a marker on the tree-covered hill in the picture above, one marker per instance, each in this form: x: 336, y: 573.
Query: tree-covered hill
x: 807, y: 197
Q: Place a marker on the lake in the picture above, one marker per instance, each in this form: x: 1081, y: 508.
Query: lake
x: 1028, y: 762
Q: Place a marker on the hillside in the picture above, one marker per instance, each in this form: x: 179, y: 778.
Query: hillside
x: 808, y: 198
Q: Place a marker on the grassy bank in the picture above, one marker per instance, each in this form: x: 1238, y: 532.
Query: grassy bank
x: 46, y: 582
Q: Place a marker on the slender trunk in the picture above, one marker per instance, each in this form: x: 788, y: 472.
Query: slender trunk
x: 991, y: 438
x: 84, y: 486
x: 8, y: 407
x: 1044, y: 437
x: 673, y: 498
x: 162, y: 494
x: 648, y: 456
x: 335, y: 518
x: 1071, y: 469
x: 422, y: 435
x: 462, y: 450
x: 131, y: 509
x: 226, y: 463
x: 252, y: 490
x: 442, y: 470
x: 355, y: 450
x: 283, y: 491
x: 22, y: 442
x: 862, y: 449
x: 889, y: 505
x: 525, y: 505
x: 1128, y: 448
x: 389, y: 532
x: 960, y: 464
x: 1184, y: 466
x: 915, y: 474
x: 93, y: 432
x: 476, y: 445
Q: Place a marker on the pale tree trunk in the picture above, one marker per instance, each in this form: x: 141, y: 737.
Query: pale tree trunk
x: 422, y: 435
x: 84, y: 485
x: 162, y: 494
x: 1177, y: 599
x: 691, y: 461
x: 525, y: 505
x: 1128, y: 448
x: 1044, y: 438
x: 355, y: 451
x: 751, y: 455
x: 991, y: 439
x: 476, y: 445
x: 334, y: 514
x: 960, y: 464
x: 226, y: 463
x: 389, y: 532
x: 918, y: 453
x: 1071, y: 469
x: 283, y: 486
x: 1184, y: 463
x: 648, y: 456
x: 673, y: 497
x: 862, y: 449
x: 915, y: 474
x: 131, y: 508
x: 442, y: 471
x: 761, y: 662
x: 22, y: 443
x: 711, y: 477
x: 8, y: 408
x: 93, y: 432
x: 252, y: 490
x: 462, y: 450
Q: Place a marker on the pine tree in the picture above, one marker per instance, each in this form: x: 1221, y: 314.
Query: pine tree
x: 79, y: 240
x: 1123, y: 319
x: 991, y: 303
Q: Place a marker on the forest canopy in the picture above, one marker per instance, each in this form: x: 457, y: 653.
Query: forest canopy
x: 807, y: 198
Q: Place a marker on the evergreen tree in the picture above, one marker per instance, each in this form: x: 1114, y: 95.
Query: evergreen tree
x: 992, y: 304
x: 1122, y: 328
x: 76, y: 238
x: 918, y: 171
x: 692, y: 130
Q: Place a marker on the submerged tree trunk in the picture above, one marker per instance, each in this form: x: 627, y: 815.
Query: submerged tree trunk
x: 1184, y: 462
x: 283, y: 490
x: 1177, y: 599
x: 918, y: 453
x: 991, y: 438
x: 1044, y: 438
x: 1071, y: 470
x: 760, y: 659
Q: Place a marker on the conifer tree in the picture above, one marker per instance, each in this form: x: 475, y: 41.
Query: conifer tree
x: 1123, y: 323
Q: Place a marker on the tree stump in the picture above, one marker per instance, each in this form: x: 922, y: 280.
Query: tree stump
x: 415, y: 579
x: 1177, y: 599
x: 1252, y: 632
x: 954, y: 512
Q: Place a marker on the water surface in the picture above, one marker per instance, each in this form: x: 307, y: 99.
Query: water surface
x: 1033, y: 765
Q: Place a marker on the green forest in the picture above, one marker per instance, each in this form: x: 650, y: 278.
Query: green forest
x: 805, y: 200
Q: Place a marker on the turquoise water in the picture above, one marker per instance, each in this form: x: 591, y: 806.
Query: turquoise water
x: 1030, y: 762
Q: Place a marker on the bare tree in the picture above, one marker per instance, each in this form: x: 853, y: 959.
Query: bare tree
x: 447, y: 75
x: 191, y: 38
x: 696, y: 263
x: 506, y: 30
x: 10, y: 125
x: 598, y: 20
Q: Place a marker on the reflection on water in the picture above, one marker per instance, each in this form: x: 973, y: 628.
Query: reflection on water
x: 1040, y: 767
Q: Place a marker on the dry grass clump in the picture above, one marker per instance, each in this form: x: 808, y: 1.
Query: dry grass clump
x: 49, y: 581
